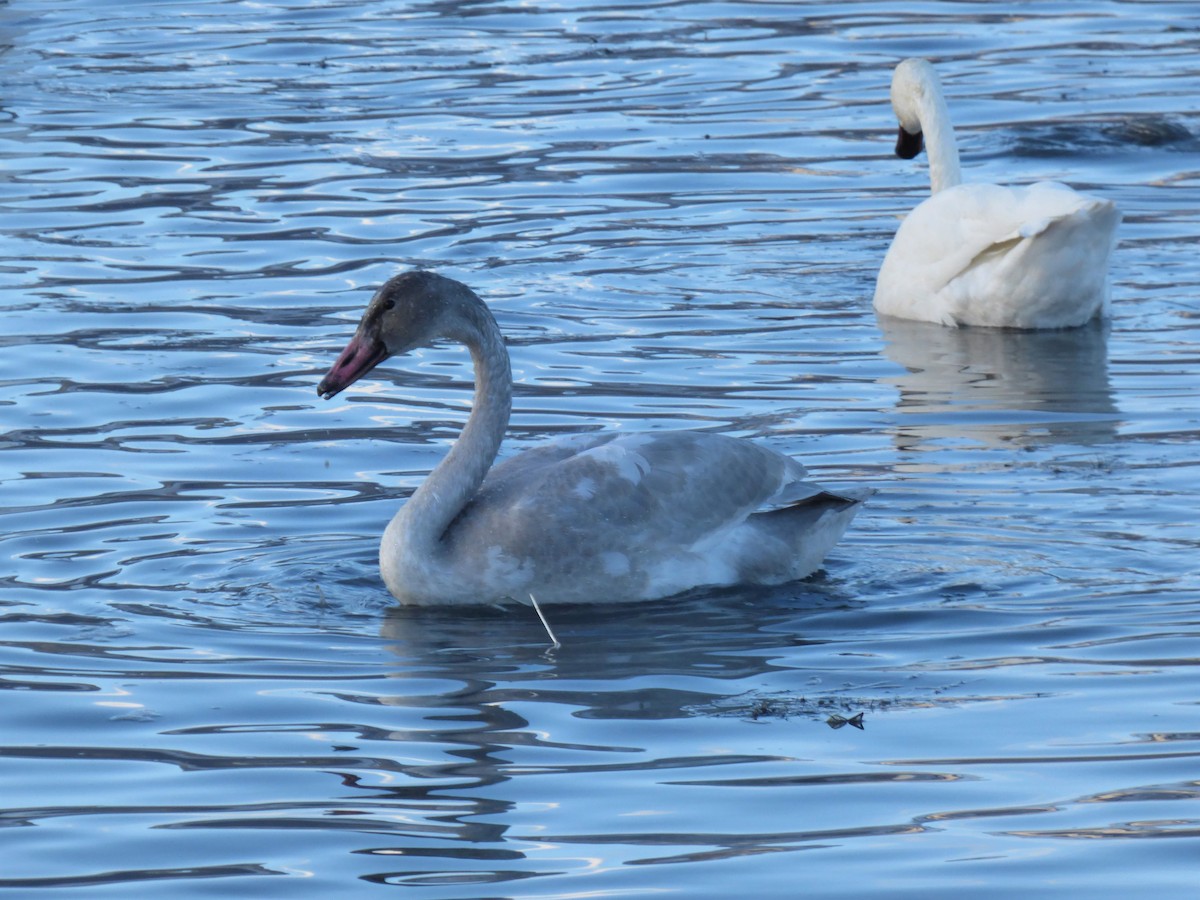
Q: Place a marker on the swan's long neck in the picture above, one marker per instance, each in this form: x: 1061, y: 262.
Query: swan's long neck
x: 925, y: 92
x: 417, y: 529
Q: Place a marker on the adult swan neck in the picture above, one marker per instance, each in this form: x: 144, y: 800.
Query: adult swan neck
x: 921, y: 108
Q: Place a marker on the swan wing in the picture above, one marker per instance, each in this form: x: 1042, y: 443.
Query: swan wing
x: 982, y: 254
x: 676, y: 486
x: 646, y: 515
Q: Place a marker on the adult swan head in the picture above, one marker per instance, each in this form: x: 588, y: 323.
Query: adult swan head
x: 982, y: 254
x: 598, y: 517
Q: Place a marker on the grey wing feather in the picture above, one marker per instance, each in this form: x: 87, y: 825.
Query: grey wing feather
x: 673, y: 486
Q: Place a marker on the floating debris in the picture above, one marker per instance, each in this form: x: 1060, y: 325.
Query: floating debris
x: 835, y: 721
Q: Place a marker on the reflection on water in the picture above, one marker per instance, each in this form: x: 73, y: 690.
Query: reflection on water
x: 994, y: 386
x: 677, y: 212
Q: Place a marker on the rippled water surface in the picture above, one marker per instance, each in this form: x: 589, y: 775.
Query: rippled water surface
x: 676, y: 211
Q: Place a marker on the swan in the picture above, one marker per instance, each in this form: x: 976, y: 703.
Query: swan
x: 598, y: 517
x: 982, y: 254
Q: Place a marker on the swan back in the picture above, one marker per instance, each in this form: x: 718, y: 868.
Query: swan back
x: 611, y: 517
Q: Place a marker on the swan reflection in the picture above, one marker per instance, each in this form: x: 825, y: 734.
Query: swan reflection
x: 998, y: 387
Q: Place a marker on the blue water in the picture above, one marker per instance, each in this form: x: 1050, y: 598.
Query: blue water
x: 676, y: 212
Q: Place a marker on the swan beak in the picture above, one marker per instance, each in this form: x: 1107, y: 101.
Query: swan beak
x: 361, y: 355
x: 908, y: 145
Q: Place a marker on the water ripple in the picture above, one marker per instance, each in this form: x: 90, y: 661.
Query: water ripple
x: 676, y: 211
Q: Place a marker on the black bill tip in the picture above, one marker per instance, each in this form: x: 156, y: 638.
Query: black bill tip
x: 909, y: 145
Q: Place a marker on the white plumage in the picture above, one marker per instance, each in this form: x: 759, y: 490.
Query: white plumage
x: 983, y: 254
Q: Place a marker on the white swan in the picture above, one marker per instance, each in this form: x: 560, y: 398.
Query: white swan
x: 982, y: 254
x: 590, y: 518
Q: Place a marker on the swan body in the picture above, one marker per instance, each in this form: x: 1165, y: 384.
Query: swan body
x: 599, y: 517
x: 983, y: 254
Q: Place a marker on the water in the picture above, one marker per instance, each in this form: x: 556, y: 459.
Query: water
x: 677, y: 212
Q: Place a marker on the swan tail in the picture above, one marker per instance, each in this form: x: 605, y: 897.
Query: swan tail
x: 801, y: 534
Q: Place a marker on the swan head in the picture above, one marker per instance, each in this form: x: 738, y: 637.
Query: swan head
x: 915, y: 87
x: 413, y: 309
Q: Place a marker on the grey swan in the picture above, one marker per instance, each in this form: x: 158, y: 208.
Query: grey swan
x: 588, y: 518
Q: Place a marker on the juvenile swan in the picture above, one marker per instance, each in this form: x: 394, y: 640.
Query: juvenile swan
x: 982, y: 254
x: 591, y: 518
